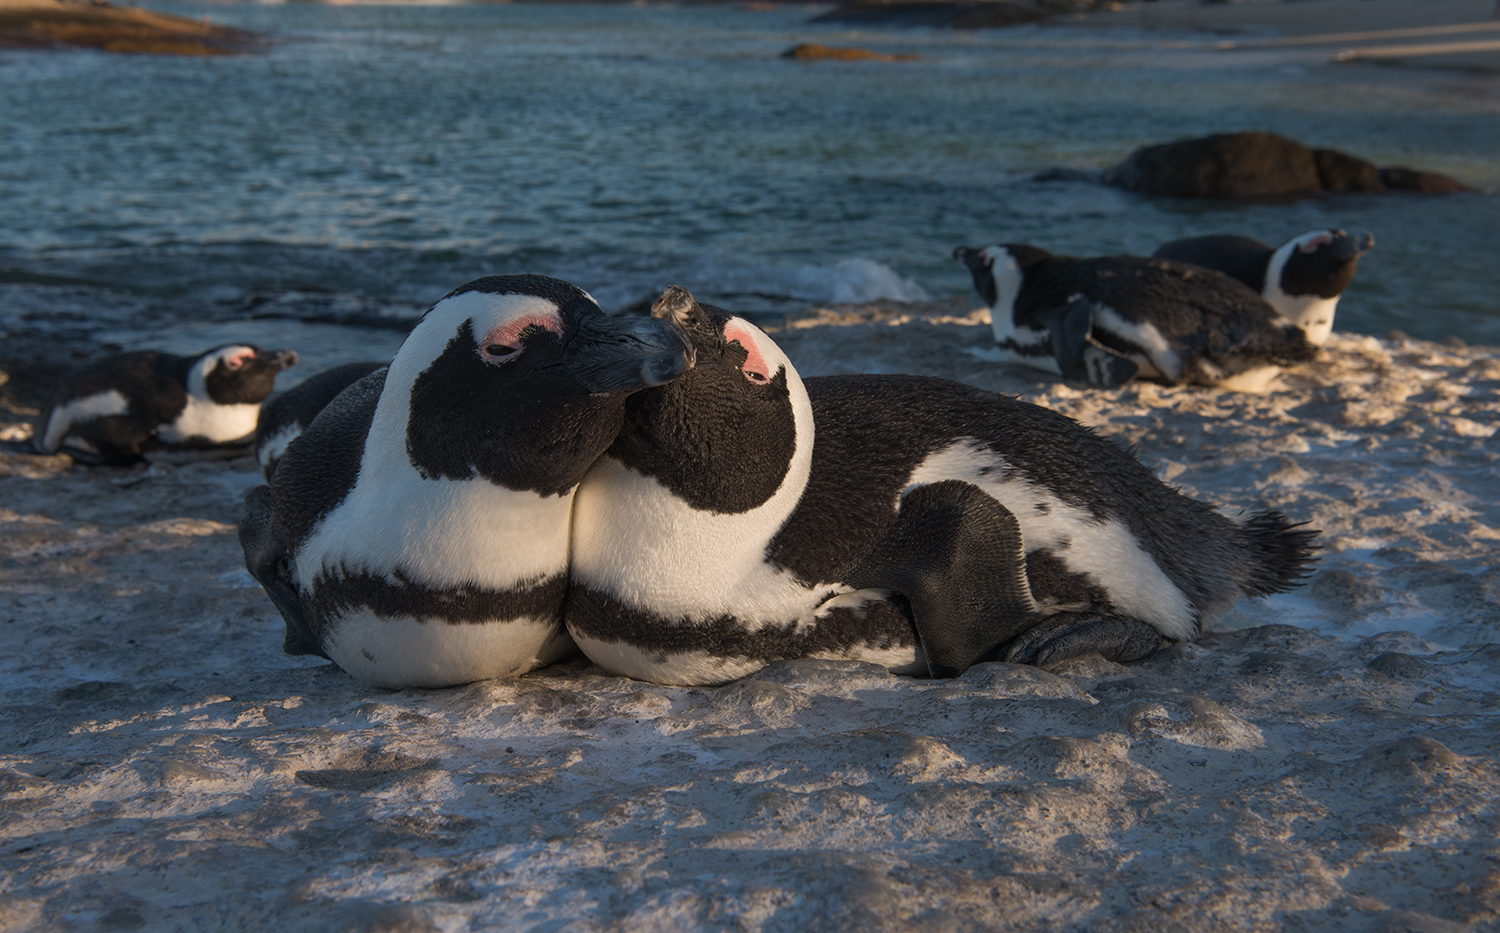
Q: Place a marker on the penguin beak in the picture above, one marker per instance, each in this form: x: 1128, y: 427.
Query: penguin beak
x: 282, y: 359
x: 973, y: 258
x: 1347, y: 247
x: 608, y: 355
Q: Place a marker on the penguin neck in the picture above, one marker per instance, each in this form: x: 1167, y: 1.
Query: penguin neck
x: 1312, y: 313
x: 1007, y: 275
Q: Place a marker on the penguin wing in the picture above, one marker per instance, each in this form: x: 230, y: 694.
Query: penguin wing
x: 957, y: 556
x: 267, y: 559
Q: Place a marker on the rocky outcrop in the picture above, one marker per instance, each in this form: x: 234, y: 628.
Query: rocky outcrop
x: 1262, y: 167
x: 952, y: 14
x: 51, y: 24
x: 812, y: 52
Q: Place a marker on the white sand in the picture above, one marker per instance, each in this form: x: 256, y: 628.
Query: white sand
x: 1331, y: 761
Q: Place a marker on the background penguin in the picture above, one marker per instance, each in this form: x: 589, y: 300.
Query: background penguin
x: 1173, y: 321
x: 287, y: 415
x: 743, y: 516
x: 1302, y: 278
x: 417, y: 532
x: 158, y: 406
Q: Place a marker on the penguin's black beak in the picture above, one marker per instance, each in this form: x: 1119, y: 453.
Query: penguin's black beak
x: 975, y: 259
x: 282, y: 359
x: 1347, y: 247
x: 608, y: 355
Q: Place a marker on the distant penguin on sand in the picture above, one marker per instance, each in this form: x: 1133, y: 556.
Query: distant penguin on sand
x: 160, y: 407
x: 285, y: 417
x: 745, y: 516
x: 416, y: 533
x: 1302, y: 278
x: 1107, y: 319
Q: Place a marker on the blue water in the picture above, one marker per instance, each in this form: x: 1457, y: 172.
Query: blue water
x: 400, y: 150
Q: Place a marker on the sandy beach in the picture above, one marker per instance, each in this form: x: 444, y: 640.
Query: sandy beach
x: 1326, y: 760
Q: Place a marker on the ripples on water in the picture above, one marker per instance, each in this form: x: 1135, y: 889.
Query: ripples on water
x: 398, y: 151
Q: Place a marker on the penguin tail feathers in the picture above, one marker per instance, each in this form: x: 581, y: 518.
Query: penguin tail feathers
x: 1296, y: 348
x: 1281, y: 552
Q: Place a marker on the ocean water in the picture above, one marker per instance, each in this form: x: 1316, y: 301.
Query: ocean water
x: 397, y: 151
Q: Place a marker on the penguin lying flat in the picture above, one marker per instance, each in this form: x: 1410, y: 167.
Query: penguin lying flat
x: 162, y: 407
x: 1171, y: 321
x: 416, y: 533
x: 744, y: 516
x: 1302, y: 278
x: 287, y: 415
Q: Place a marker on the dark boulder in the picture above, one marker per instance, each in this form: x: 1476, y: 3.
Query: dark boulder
x: 952, y: 14
x: 1261, y: 167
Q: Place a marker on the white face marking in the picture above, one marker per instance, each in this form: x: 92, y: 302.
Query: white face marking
x: 439, y: 532
x: 63, y: 417
x: 1157, y: 358
x: 634, y: 539
x: 1105, y: 551
x: 1309, y: 312
x: 397, y: 653
x: 1008, y: 334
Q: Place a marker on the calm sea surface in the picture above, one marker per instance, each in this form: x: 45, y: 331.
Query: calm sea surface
x: 400, y: 150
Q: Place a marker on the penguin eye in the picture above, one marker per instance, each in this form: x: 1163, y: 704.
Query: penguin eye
x: 499, y: 353
x: 758, y: 378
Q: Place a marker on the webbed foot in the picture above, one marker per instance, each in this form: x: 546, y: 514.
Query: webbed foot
x: 1071, y: 634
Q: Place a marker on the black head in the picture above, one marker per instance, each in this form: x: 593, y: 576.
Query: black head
x: 522, y: 380
x: 1012, y: 260
x: 238, y: 375
x: 1323, y: 262
x: 724, y: 435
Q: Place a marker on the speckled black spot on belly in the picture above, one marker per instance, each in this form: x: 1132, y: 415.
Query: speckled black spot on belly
x: 881, y: 624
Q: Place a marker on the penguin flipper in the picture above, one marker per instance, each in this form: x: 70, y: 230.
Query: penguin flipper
x: 957, y: 556
x: 1079, y: 356
x: 1071, y: 634
x: 264, y: 544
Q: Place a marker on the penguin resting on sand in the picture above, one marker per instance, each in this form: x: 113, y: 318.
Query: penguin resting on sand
x: 1108, y: 319
x: 416, y: 533
x: 285, y: 417
x: 1302, y: 278
x: 160, y: 407
x: 744, y: 516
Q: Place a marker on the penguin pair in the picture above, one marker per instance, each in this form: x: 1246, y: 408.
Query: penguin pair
x: 744, y: 515
x: 1302, y: 278
x: 1109, y: 319
x: 160, y: 407
x: 416, y: 533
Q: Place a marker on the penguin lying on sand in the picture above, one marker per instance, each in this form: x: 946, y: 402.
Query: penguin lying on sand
x: 1105, y: 320
x: 744, y: 516
x: 1302, y: 278
x: 156, y: 406
x: 416, y: 534
x: 287, y: 415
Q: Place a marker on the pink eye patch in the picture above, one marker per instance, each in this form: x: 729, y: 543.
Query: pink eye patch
x: 756, y: 369
x: 1311, y: 245
x: 238, y: 358
x: 509, y: 333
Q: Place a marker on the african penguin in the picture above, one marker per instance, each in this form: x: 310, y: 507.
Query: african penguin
x: 1302, y: 278
x: 1107, y: 319
x: 416, y: 533
x: 287, y: 415
x: 159, y: 407
x: 744, y: 515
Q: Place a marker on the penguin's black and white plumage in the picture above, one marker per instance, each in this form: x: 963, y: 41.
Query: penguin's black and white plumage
x: 1106, y: 319
x: 160, y: 407
x: 416, y: 533
x: 745, y: 516
x: 285, y: 417
x: 1302, y: 278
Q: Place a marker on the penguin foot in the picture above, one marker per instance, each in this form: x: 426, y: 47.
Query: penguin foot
x: 1071, y: 634
x: 1107, y: 369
